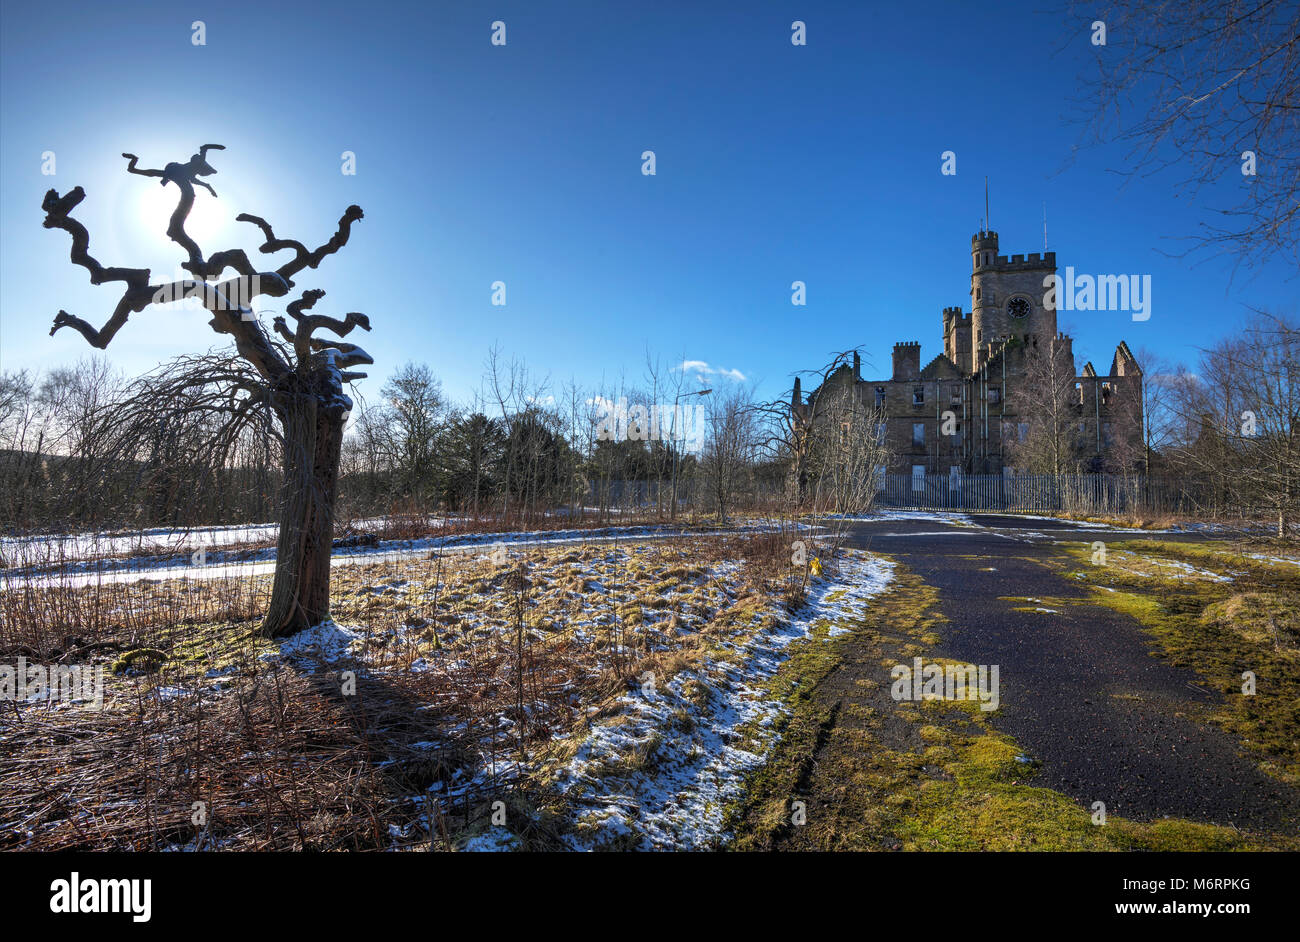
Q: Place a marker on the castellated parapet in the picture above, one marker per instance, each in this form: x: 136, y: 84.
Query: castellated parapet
x: 1031, y: 262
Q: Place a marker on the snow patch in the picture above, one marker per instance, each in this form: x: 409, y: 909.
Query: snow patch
x: 328, y: 642
x: 662, y: 774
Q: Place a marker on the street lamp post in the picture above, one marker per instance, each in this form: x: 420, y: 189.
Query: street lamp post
x: 672, y: 435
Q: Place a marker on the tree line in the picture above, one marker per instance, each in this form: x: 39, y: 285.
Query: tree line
x: 83, y: 446
x: 1222, y: 433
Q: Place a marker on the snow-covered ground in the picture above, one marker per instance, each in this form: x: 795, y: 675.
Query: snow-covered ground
x: 221, y: 564
x: 44, y: 548
x: 886, y: 513
x: 1288, y: 560
x: 664, y: 763
x: 20, y: 552
x: 1158, y: 565
x: 697, y: 735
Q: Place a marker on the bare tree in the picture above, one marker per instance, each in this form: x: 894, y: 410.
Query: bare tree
x: 1216, y: 84
x: 835, y: 441
x: 784, y: 433
x: 1046, y: 403
x: 190, y: 444
x: 1249, y: 405
x: 299, y: 377
x: 1159, y: 418
x: 728, y: 447
x: 412, y: 418
x: 1201, y: 455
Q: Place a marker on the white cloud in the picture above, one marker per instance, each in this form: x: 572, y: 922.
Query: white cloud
x: 702, y: 368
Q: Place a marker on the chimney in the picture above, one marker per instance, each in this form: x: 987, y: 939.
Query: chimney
x: 907, y: 361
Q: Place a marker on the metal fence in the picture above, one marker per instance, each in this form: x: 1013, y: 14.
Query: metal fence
x: 1031, y: 493
x: 1099, y: 494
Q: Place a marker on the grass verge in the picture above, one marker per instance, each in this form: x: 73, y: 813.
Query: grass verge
x: 1222, y: 611
x: 856, y: 770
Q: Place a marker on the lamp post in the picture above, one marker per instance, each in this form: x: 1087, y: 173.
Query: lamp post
x: 672, y: 435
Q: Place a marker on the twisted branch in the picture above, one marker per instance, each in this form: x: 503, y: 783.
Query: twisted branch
x: 303, y: 258
x: 227, y: 301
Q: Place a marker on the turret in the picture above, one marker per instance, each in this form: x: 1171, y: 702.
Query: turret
x: 983, y: 249
x: 957, y: 338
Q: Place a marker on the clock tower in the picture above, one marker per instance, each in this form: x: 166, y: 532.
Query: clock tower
x: 1008, y: 297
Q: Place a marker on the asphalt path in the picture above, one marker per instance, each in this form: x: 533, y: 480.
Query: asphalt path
x: 1079, y: 688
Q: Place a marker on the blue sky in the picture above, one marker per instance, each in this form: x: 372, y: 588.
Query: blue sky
x: 477, y: 163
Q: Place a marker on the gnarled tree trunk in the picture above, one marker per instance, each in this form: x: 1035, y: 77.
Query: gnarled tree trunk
x: 300, y: 594
x: 300, y: 376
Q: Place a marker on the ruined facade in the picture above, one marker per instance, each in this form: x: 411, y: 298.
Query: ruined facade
x: 959, y: 412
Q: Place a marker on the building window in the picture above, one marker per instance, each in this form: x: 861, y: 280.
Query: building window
x: 918, y: 477
x: 1023, y: 431
x: 918, y: 434
x: 995, y: 394
x: 880, y: 395
x: 880, y: 433
x: 956, y: 395
x: 918, y: 395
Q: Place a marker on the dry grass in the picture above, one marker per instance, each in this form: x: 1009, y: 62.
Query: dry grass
x: 470, y: 677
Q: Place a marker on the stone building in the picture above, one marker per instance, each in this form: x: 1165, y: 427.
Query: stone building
x: 958, y: 411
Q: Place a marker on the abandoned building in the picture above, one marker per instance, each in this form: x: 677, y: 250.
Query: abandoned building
x: 958, y: 412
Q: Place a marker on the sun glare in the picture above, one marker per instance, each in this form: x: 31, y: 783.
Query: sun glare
x: 206, y: 222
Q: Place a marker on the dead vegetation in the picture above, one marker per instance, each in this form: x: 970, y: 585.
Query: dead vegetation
x: 457, y: 678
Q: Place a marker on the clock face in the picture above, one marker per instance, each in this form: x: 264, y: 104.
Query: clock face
x: 1019, y: 307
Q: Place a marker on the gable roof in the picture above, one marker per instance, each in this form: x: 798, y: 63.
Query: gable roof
x: 941, y: 368
x: 1130, y: 364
